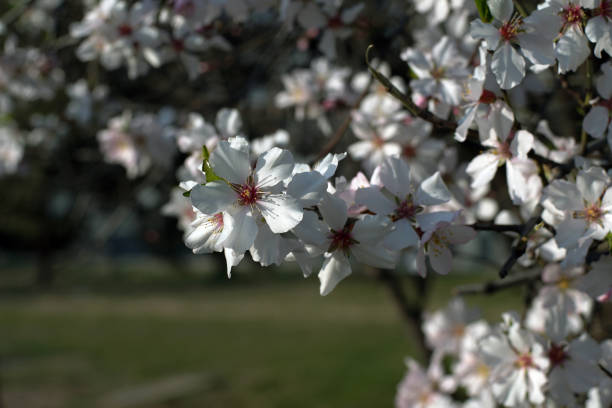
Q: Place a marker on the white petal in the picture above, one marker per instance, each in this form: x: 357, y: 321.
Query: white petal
x: 273, y: 167
x: 569, y: 231
x: 232, y: 258
x: 244, y: 230
x: 213, y: 197
x: 281, y: 212
x: 596, y: 121
x: 335, y: 268
x: 481, y: 30
x: 591, y: 183
x: 229, y: 122
x: 328, y: 165
x: 518, y: 187
x: 459, y: 234
x: 334, y: 211
x: 375, y: 255
x: 308, y: 187
x: 371, y: 229
x: 508, y: 66
x: 482, y: 169
x: 207, y: 235
x: 403, y: 236
x: 230, y: 163
x: 266, y: 247
x: 440, y: 257
x: 312, y: 230
x: 395, y: 175
x: 374, y: 200
x: 430, y: 221
x: 501, y: 9
x: 521, y: 144
x: 598, y: 31
x: 572, y: 49
x: 432, y: 191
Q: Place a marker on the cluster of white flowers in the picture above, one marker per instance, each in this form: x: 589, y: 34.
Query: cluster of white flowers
x: 547, y: 361
x: 477, y: 95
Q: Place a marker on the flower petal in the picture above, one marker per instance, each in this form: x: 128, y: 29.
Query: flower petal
x: 335, y: 268
x: 230, y: 163
x: 213, y: 197
x: 281, y: 212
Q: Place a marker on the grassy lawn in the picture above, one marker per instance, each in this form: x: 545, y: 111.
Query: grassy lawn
x: 270, y: 343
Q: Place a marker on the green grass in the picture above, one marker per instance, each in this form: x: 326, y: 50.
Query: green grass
x: 255, y: 343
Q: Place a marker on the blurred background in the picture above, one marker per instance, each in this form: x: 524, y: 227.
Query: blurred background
x: 102, y: 305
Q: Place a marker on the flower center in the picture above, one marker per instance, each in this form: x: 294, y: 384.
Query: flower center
x: 510, y: 29
x: 438, y: 72
x: 483, y: 370
x: 248, y: 194
x: 572, y: 14
x: 563, y: 284
x: 524, y: 361
x: 404, y: 210
x: 125, y: 30
x: 342, y: 239
x: 487, y: 97
x: 409, y: 151
x: 459, y: 330
x: 557, y: 354
x: 503, y: 150
x: 217, y: 222
x: 606, y: 103
x: 590, y: 214
x: 335, y: 22
x: 178, y: 45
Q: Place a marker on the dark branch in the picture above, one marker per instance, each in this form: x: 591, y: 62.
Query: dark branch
x: 497, y: 227
x: 412, y: 312
x: 518, y: 249
x: 497, y: 285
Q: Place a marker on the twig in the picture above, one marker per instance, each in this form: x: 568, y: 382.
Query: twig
x: 497, y: 285
x: 439, y: 123
x: 497, y: 227
x: 605, y: 370
x: 412, y: 312
x: 520, y: 247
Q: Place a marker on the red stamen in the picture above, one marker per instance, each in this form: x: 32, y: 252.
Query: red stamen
x: 557, y: 354
x: 487, y: 97
x: 125, y: 30
x: 247, y: 194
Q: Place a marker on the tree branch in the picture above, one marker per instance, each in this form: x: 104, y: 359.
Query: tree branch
x: 496, y: 285
x: 519, y: 248
x: 412, y: 312
x: 479, y: 226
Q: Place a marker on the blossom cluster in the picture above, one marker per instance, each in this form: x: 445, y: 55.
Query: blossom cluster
x: 546, y: 360
x: 407, y: 162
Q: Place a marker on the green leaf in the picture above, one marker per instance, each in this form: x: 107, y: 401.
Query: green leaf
x: 187, y: 193
x: 208, y: 171
x: 483, y: 11
x: 609, y: 239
